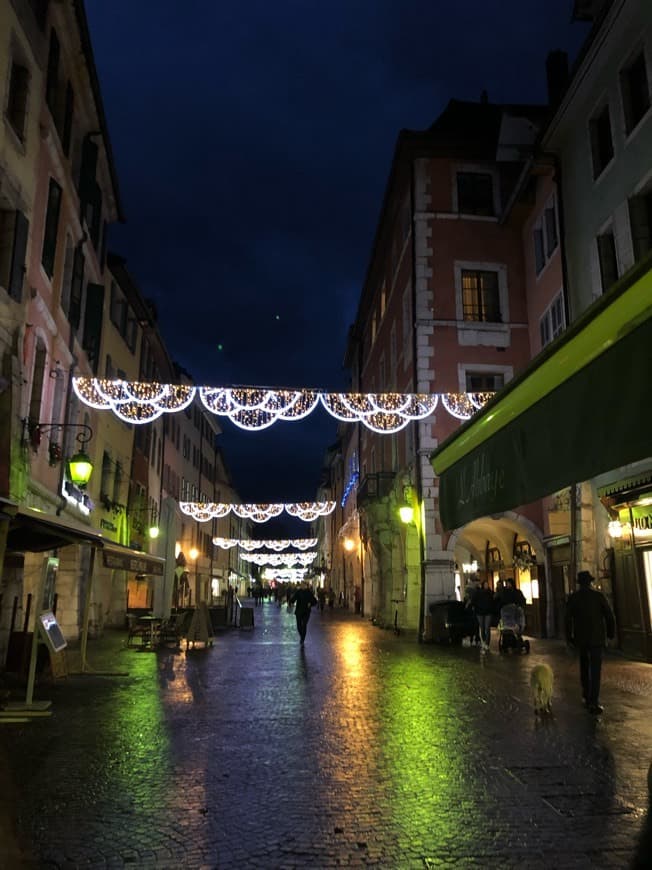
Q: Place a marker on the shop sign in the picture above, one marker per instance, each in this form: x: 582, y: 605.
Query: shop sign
x: 131, y: 562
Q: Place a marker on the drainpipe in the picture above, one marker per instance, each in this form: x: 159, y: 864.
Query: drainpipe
x: 417, y: 433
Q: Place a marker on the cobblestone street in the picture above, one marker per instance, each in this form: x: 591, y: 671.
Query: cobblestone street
x: 359, y: 749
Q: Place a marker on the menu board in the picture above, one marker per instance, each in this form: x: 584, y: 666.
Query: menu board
x: 51, y: 631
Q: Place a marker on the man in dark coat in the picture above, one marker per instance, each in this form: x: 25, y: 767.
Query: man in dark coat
x: 589, y: 622
x: 303, y: 600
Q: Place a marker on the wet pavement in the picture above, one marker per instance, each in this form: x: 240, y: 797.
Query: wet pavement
x: 359, y: 749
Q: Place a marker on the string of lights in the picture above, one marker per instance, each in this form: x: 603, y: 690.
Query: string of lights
x: 257, y: 408
x: 287, y: 559
x: 259, y: 513
x: 276, y: 544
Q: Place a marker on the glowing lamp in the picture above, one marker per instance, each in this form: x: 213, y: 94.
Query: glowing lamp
x: 153, y: 532
x: 615, y: 529
x: 194, y: 552
x: 349, y: 544
x: 406, y: 513
x: 80, y: 469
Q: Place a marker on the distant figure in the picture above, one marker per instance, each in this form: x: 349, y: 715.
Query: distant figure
x: 303, y: 599
x: 510, y: 595
x: 589, y: 622
x: 483, y: 607
x: 321, y: 597
x: 331, y: 597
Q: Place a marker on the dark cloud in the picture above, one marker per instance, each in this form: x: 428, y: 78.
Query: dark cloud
x: 253, y: 143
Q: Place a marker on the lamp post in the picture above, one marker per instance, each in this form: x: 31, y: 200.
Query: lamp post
x: 194, y: 553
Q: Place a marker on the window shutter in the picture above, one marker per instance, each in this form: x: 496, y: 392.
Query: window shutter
x: 17, y: 273
x: 93, y: 323
x: 87, y: 171
x: 67, y: 120
x: 51, y: 228
x: 76, y: 286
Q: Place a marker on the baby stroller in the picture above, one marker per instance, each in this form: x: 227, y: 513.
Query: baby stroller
x: 510, y: 628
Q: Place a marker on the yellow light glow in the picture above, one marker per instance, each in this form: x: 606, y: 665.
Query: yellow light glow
x: 349, y: 544
x: 194, y: 552
x: 406, y: 513
x: 153, y: 532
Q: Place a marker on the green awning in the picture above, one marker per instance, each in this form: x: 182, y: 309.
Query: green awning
x: 583, y: 407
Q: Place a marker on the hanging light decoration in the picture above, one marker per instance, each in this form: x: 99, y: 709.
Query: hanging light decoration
x: 288, y: 559
x: 133, y: 401
x: 278, y: 544
x: 257, y: 408
x: 225, y: 543
x: 204, y: 511
x: 259, y: 513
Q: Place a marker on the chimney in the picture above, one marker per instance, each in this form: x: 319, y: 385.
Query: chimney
x: 557, y: 76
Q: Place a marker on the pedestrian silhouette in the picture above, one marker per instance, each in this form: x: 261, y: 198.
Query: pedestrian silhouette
x: 589, y: 621
x: 303, y: 600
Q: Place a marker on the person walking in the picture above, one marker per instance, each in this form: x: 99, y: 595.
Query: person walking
x: 589, y: 622
x: 483, y: 607
x: 303, y: 600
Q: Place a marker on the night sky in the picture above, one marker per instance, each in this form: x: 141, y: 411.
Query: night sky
x: 253, y: 142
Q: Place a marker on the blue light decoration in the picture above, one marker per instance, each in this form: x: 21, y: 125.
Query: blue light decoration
x: 352, y: 482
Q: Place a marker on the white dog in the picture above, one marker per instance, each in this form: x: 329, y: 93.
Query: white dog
x: 541, y: 683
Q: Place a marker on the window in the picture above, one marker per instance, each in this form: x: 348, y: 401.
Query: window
x: 17, y: 99
x: 36, y: 395
x: 539, y: 251
x: 545, y: 235
x: 475, y: 193
x: 484, y: 382
x: 550, y: 226
x: 52, y: 81
x: 602, y: 148
x: 51, y: 228
x: 480, y: 296
x: 608, y: 259
x: 640, y: 220
x: 118, y: 309
x: 553, y: 320
x: 76, y: 287
x: 635, y: 91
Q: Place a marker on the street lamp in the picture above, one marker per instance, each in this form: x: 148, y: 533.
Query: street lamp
x: 79, y: 465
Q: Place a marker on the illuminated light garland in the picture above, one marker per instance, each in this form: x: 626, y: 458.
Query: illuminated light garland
x: 133, y: 401
x: 225, y: 543
x: 204, y: 511
x: 257, y: 408
x: 461, y: 405
x: 288, y: 559
x: 253, y: 408
x: 310, y: 510
x: 279, y: 544
x: 286, y: 575
x: 259, y: 513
